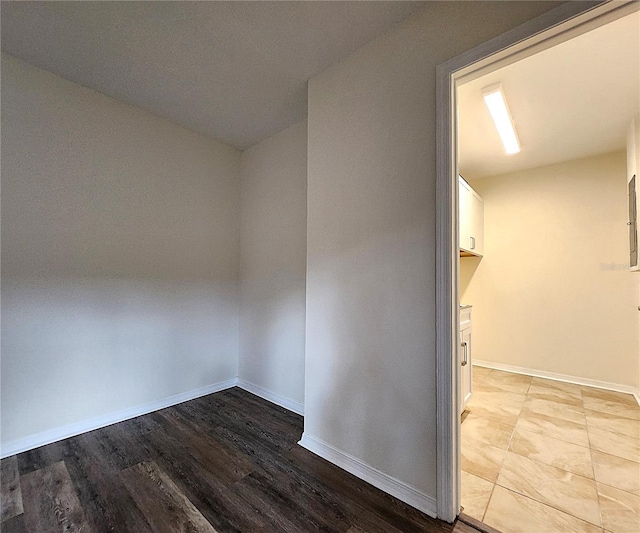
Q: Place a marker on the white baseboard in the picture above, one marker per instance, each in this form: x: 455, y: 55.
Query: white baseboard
x: 628, y: 389
x: 71, y: 430
x: 367, y: 473
x: 272, y: 397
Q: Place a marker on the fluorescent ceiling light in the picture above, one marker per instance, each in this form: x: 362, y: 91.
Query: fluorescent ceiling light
x: 497, y: 104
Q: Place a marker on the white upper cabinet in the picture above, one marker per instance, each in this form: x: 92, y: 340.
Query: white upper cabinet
x: 471, y: 209
x: 465, y: 214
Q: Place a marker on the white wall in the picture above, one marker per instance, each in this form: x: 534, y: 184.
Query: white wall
x: 370, y: 331
x: 273, y: 263
x: 119, y: 255
x: 553, y: 291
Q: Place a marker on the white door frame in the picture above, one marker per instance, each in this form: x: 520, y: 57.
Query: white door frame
x: 558, y: 25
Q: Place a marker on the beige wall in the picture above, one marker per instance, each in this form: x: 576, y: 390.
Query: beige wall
x: 119, y: 255
x: 553, y: 292
x: 370, y: 387
x: 273, y: 250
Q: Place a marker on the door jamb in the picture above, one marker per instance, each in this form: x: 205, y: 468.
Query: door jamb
x: 560, y: 24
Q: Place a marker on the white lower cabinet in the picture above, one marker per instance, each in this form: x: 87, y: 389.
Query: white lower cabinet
x: 464, y: 351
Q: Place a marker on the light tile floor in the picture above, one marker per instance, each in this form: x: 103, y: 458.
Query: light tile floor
x: 545, y: 456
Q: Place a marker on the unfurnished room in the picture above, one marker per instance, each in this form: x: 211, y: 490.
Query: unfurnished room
x: 269, y: 267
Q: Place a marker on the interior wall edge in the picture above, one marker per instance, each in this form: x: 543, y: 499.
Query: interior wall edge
x: 77, y: 428
x: 616, y: 387
x: 272, y: 397
x: 403, y: 491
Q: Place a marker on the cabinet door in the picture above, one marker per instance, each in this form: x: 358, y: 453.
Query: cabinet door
x: 464, y: 208
x: 477, y: 224
x: 465, y: 367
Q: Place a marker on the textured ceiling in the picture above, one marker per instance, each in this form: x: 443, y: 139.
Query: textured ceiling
x: 574, y: 100
x: 233, y: 70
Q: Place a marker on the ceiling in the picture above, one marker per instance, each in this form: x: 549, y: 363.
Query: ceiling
x: 570, y: 101
x: 237, y: 71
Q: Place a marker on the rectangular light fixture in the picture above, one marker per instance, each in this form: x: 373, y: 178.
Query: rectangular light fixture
x: 497, y: 104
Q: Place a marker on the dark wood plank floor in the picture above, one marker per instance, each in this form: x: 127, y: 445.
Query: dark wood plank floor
x: 225, y: 462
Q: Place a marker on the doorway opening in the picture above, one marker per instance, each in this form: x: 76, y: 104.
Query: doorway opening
x: 559, y: 25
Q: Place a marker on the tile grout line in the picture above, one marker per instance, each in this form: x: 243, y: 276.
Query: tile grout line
x: 615, y: 457
x: 540, y: 462
x: 593, y: 470
x: 515, y: 491
x: 553, y: 466
x: 597, y: 490
x: 550, y: 506
x: 587, y: 426
x: 503, y: 458
x: 546, y: 504
x: 598, y: 495
x: 484, y: 513
x: 586, y: 423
